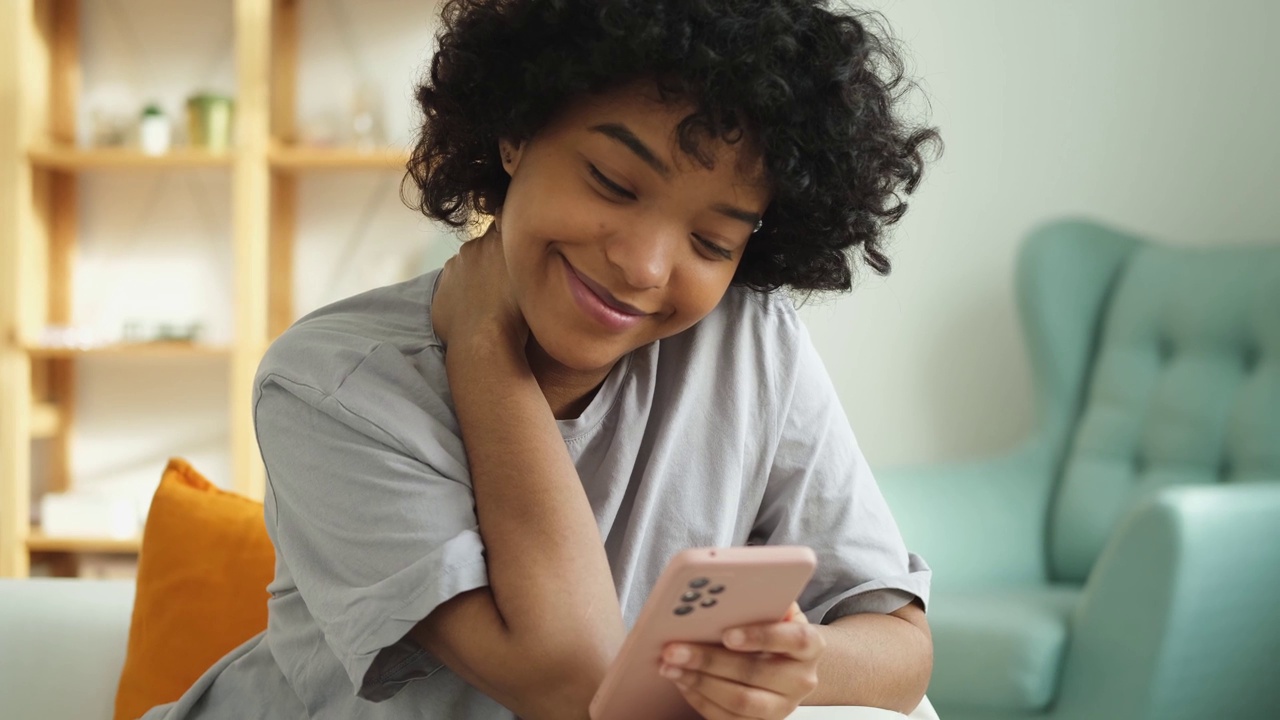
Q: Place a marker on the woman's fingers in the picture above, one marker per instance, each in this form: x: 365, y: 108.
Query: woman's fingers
x: 794, y: 638
x: 776, y: 673
x: 763, y: 671
x: 718, y: 699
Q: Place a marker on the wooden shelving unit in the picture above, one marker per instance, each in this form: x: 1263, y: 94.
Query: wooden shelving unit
x: 39, y: 169
x: 70, y: 159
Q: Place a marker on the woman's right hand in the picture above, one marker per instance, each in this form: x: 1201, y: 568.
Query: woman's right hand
x: 474, y: 301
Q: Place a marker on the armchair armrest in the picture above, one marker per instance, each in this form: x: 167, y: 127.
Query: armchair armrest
x: 978, y: 523
x: 1180, y: 617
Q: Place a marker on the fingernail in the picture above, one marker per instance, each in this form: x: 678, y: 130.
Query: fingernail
x: 734, y: 638
x: 678, y: 655
x: 669, y: 672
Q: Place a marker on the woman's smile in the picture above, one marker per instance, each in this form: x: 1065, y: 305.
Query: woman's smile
x: 598, y: 303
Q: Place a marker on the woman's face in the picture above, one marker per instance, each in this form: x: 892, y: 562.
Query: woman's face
x: 612, y: 236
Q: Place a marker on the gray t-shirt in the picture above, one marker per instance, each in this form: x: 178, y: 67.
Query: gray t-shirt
x: 727, y: 434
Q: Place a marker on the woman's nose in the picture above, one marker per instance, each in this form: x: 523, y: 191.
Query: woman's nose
x: 643, y: 255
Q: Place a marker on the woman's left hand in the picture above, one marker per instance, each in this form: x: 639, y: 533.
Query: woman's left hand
x: 764, y: 676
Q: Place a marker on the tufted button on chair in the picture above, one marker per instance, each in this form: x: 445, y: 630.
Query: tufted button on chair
x: 1124, y: 561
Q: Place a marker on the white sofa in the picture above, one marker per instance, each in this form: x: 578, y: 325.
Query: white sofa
x: 62, y: 644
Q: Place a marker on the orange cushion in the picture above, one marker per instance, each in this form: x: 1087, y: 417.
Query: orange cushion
x: 203, y: 570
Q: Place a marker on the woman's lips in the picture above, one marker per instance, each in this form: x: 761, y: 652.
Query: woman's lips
x: 607, y: 296
x: 598, y: 304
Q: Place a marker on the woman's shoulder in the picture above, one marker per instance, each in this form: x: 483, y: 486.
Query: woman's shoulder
x: 744, y: 318
x: 369, y: 364
x: 324, y: 348
x: 750, y: 336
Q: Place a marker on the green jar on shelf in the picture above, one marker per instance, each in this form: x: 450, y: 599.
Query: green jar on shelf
x: 209, y: 121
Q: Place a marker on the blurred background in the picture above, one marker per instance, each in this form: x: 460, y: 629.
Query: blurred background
x: 1156, y: 117
x: 130, y: 213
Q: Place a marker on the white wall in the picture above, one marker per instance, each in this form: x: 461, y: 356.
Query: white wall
x: 1159, y: 117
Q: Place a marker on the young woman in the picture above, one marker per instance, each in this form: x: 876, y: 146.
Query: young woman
x: 475, y: 477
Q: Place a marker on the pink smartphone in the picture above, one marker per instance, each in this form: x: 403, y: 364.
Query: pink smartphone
x: 702, y: 593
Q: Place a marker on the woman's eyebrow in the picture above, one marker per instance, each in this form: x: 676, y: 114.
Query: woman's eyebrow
x: 737, y: 213
x: 623, y: 134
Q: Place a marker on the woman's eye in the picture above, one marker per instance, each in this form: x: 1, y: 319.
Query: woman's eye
x: 713, y: 248
x: 609, y: 185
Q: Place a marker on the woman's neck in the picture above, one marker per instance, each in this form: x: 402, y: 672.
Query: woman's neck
x: 568, y: 391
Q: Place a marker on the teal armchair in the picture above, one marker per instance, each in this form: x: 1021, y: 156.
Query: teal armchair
x: 1124, y: 560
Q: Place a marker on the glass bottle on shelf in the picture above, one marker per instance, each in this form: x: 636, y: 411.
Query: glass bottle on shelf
x: 366, y: 121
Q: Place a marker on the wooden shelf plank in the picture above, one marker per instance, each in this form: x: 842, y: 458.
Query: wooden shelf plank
x: 153, y: 349
x: 73, y: 158
x: 289, y: 158
x: 37, y: 541
x: 46, y: 420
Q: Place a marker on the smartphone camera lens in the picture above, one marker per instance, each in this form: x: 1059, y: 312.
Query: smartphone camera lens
x: 709, y: 602
x: 698, y: 583
x: 715, y: 589
x: 690, y: 595
x: 684, y: 609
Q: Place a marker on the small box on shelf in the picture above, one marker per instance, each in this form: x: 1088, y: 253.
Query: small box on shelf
x: 89, y: 515
x: 39, y: 541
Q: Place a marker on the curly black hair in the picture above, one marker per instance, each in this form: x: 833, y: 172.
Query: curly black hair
x: 805, y: 85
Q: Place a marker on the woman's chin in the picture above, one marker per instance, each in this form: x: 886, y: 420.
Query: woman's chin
x: 576, y: 353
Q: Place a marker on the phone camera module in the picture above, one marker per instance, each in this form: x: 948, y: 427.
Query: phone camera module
x: 715, y: 589
x: 690, y: 596
x: 698, y: 583
x: 684, y: 609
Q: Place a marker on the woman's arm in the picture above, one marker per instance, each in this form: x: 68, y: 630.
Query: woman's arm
x: 877, y: 660
x: 540, y: 637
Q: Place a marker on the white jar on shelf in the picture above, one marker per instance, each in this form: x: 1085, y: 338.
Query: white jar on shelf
x: 155, y: 131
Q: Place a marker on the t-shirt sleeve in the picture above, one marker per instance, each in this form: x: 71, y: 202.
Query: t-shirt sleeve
x: 821, y: 493
x: 373, y: 536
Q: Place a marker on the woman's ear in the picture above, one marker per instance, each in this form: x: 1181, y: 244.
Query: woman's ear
x: 510, y: 152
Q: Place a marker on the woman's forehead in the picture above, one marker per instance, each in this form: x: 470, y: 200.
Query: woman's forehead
x: 635, y: 117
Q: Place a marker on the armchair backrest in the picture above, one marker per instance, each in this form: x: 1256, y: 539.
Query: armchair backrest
x: 1183, y: 387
